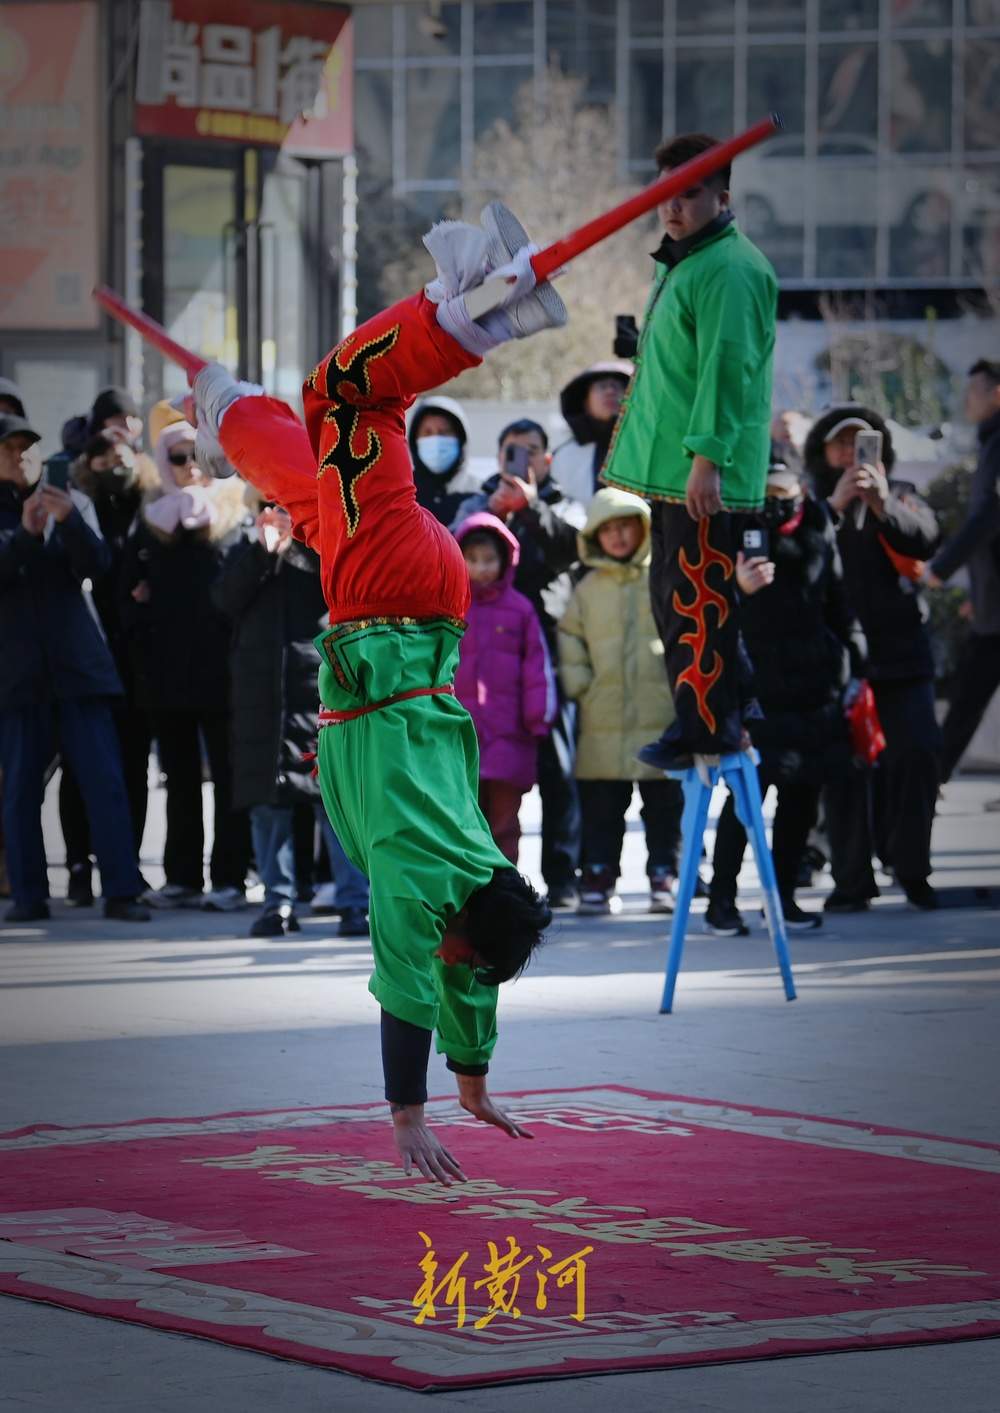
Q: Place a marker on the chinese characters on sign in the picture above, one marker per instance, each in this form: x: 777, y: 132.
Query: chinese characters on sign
x: 501, y: 1282
x: 49, y: 189
x: 277, y: 74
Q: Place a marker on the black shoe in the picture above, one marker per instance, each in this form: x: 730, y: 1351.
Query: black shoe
x: 562, y: 897
x: 837, y: 902
x: 922, y: 897
x: 28, y: 912
x: 80, y: 893
x: 723, y: 919
x: 797, y: 919
x: 353, y: 923
x: 126, y: 910
x: 275, y: 922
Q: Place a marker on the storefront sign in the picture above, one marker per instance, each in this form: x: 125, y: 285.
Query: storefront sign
x: 49, y: 196
x: 265, y: 74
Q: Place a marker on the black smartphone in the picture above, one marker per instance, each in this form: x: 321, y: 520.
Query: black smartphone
x: 626, y: 344
x: 517, y: 460
x: 57, y: 473
x: 755, y: 542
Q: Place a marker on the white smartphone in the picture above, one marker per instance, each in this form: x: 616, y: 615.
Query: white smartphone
x: 867, y: 452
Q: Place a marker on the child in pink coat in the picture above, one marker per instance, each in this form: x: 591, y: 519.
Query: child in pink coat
x: 505, y: 678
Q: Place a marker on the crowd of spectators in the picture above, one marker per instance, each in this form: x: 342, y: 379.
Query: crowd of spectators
x: 146, y: 607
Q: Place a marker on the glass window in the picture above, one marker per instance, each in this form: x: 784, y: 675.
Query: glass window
x: 838, y: 15
x: 979, y: 205
x: 705, y: 16
x: 373, y: 120
x: 776, y: 16
x: 433, y: 35
x: 645, y: 100
x: 494, y: 94
x: 776, y: 81
x: 433, y: 130
x: 505, y: 28
x: 921, y: 12
x: 581, y: 37
x: 769, y: 194
x: 920, y: 96
x: 982, y: 12
x: 282, y: 218
x: 199, y: 205
x: 921, y: 216
x: 705, y: 91
x: 982, y: 94
x: 845, y: 199
x: 848, y: 99
x: 646, y: 19
x: 372, y: 31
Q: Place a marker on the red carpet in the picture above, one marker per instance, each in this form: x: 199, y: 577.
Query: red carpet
x: 718, y: 1233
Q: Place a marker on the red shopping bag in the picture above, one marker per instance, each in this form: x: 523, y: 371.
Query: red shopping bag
x: 867, y: 736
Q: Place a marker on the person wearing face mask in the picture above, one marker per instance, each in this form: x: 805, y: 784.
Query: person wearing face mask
x: 438, y: 436
x: 114, y: 477
x: 807, y: 651
x: 178, y: 643
x: 590, y: 404
x: 885, y: 533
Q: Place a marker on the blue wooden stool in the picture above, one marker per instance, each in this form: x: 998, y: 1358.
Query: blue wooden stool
x: 739, y: 771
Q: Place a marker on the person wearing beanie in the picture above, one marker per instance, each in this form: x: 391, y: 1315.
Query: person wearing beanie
x: 10, y: 398
x: 885, y: 534
x: 398, y: 757
x: 590, y: 404
x: 505, y: 678
x: 178, y: 645
x: 438, y: 437
x: 611, y: 664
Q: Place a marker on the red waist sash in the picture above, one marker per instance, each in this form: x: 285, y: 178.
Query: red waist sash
x: 334, y: 718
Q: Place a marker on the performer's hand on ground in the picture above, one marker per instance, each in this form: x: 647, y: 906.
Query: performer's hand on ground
x: 274, y: 528
x: 704, y: 489
x: 755, y: 574
x: 474, y: 1100
x: 420, y: 1149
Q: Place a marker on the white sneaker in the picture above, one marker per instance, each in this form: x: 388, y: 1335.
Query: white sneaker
x: 542, y: 308
x: 224, y: 900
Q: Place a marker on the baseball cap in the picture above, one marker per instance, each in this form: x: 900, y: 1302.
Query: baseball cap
x: 11, y: 426
x: 844, y: 423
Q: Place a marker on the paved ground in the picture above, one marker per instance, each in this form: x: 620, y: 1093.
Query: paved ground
x: 896, y: 1024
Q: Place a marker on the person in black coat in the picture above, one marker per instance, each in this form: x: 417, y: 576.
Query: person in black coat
x: 885, y: 533
x: 269, y: 586
x: 178, y: 647
x: 806, y: 647
x: 438, y: 438
x: 114, y: 476
x: 545, y: 523
x: 57, y: 678
x: 977, y: 544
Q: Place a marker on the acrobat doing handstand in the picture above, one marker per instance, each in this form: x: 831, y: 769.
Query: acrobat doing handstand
x: 398, y: 757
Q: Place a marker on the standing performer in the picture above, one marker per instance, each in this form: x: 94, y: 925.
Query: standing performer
x: 398, y: 757
x: 694, y: 439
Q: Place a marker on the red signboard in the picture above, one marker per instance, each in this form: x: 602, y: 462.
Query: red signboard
x: 264, y: 74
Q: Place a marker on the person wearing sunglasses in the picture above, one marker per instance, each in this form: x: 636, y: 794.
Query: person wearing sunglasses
x: 179, y: 649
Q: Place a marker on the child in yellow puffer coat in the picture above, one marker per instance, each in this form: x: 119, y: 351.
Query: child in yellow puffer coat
x: 611, y: 663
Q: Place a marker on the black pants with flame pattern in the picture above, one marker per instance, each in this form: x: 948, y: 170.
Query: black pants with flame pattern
x: 692, y: 585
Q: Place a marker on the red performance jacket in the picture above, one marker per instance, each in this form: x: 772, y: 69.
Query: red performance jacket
x: 346, y: 478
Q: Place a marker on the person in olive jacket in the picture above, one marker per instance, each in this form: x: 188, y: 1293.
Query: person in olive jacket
x: 57, y: 680
x: 178, y: 644
x: 270, y: 588
x: 885, y: 534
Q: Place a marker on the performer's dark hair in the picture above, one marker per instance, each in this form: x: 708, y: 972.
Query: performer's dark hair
x: 677, y: 150
x: 506, y: 920
x: 521, y: 428
x: 485, y: 536
x: 988, y: 367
